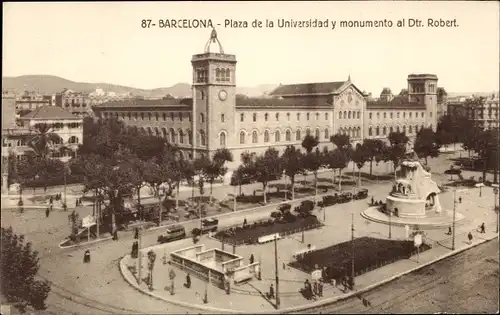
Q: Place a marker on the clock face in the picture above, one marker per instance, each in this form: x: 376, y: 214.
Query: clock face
x: 222, y: 95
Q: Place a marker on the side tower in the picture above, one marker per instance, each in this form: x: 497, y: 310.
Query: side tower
x: 214, y: 98
x: 422, y: 89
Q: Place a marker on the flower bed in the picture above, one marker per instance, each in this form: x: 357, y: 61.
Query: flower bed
x: 369, y: 254
x: 251, y: 233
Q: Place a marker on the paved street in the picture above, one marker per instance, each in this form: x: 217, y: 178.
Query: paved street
x: 464, y: 283
x: 98, y: 288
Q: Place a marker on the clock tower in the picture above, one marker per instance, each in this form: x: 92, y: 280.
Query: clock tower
x: 214, y: 98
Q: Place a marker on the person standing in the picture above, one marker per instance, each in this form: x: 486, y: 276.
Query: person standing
x: 315, y: 288
x: 320, y: 288
x: 188, y: 281
x: 470, y: 237
x: 251, y: 259
x: 271, y: 292
x: 309, y: 290
x: 483, y: 230
x: 459, y: 199
x: 47, y: 212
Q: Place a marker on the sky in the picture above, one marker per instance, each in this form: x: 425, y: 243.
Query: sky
x: 104, y: 43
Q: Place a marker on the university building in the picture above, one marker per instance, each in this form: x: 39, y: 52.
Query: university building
x: 216, y: 117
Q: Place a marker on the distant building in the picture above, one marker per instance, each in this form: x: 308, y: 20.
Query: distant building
x: 215, y: 117
x: 483, y: 110
x: 29, y: 101
x: 80, y: 103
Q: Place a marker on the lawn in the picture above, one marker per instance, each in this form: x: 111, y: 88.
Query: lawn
x: 251, y: 233
x: 369, y: 254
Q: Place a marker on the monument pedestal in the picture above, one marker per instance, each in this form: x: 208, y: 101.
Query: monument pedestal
x: 406, y: 208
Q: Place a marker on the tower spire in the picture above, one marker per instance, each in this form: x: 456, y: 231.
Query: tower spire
x: 349, y: 77
x: 213, y: 39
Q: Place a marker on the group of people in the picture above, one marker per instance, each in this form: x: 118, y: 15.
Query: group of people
x: 314, y: 290
x: 78, y: 202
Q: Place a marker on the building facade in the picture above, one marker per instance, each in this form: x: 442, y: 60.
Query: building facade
x: 219, y: 118
x: 29, y: 101
x: 483, y: 110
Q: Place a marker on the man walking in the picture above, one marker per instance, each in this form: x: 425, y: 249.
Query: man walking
x: 470, y: 237
x: 483, y: 230
x: 47, y: 212
x: 271, y: 292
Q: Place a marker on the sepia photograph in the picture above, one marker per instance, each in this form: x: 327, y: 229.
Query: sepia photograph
x: 257, y: 157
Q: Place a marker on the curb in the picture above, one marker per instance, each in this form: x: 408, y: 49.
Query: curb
x: 133, y: 284
x: 393, y: 223
x: 331, y: 300
x: 83, y: 244
x: 35, y: 207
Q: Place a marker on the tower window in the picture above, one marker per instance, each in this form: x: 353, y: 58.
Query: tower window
x: 349, y: 115
x: 370, y: 131
x: 288, y: 135
x: 326, y: 116
x: 298, y: 116
x: 266, y: 136
x: 277, y: 136
x: 172, y: 116
x: 317, y: 116
x: 254, y: 137
x: 222, y: 139
x: 370, y: 115
x: 228, y: 75
x: 397, y: 115
x: 202, y: 117
x: 277, y: 116
x: 217, y: 74
x: 266, y: 115
x: 254, y: 117
x: 242, y: 117
x: 358, y: 115
x: 180, y: 116
x: 288, y: 116
x: 222, y: 118
x: 385, y: 115
x: 391, y: 115
x: 164, y: 116
x: 340, y: 115
x: 307, y: 116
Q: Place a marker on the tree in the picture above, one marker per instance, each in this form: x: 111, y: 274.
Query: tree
x: 375, y: 149
x: 398, y: 141
x: 487, y: 149
x: 312, y: 162
x: 43, y: 139
x: 337, y: 160
x: 446, y: 130
x: 293, y: 164
x: 155, y: 174
x: 343, y: 144
x: 426, y: 144
x: 239, y: 177
x: 138, y: 169
x: 267, y: 167
x: 309, y: 143
x: 359, y: 156
x: 214, y: 168
x: 20, y: 264
x: 73, y: 224
x: 113, y: 176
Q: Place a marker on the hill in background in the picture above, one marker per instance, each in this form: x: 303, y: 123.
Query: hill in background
x: 48, y: 84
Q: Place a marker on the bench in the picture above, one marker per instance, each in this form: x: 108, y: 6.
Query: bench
x: 304, y: 251
x: 268, y: 238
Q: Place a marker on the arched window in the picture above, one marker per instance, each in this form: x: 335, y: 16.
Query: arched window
x: 164, y: 132
x: 326, y: 116
x: 222, y: 139
x: 378, y: 115
x: 181, y: 136
x: 150, y: 132
x: 228, y: 75
x: 370, y: 131
x: 384, y: 131
x: 297, y: 135
x: 217, y: 74
x: 404, y: 114
x: 416, y: 128
x: 149, y: 116
x: 349, y: 115
x: 410, y: 128
x: 266, y: 116
x: 327, y: 133
x: 397, y: 128
x: 377, y: 131
x: 277, y: 116
x: 345, y: 114
x: 242, y: 137
x: 307, y: 116
x: 254, y: 137
x: 317, y: 116
x: 157, y: 132
x: 254, y: 116
x: 298, y: 116
x: 222, y: 118
x: 202, y: 117
x: 142, y: 116
x: 202, y: 138
x: 288, y: 135
x: 404, y: 129
x: 73, y: 140
x: 397, y: 115
x: 358, y: 115
x: 391, y: 130
x: 317, y: 133
x: 266, y: 136
x: 340, y: 115
x: 308, y: 132
x: 288, y: 116
x: 172, y: 135
x: 164, y: 116
x: 359, y: 132
x: 242, y: 117
x: 277, y: 136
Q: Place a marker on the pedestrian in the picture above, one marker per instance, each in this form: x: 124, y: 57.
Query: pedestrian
x: 373, y: 201
x: 306, y: 289
x: 86, y: 256
x: 320, y: 288
x: 47, y: 212
x: 251, y: 259
x: 459, y: 199
x: 449, y: 230
x: 76, y: 203
x: 245, y: 222
x: 483, y: 230
x: 115, y: 236
x: 51, y: 200
x: 470, y: 237
x: 315, y: 288
x: 188, y: 281
x: 271, y: 292
x: 309, y: 290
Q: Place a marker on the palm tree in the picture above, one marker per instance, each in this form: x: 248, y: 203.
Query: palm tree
x: 43, y: 139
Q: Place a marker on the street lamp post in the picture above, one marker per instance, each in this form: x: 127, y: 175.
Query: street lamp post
x: 454, y: 217
x: 352, y: 254
x: 390, y: 224
x: 276, y: 271
x: 495, y: 194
